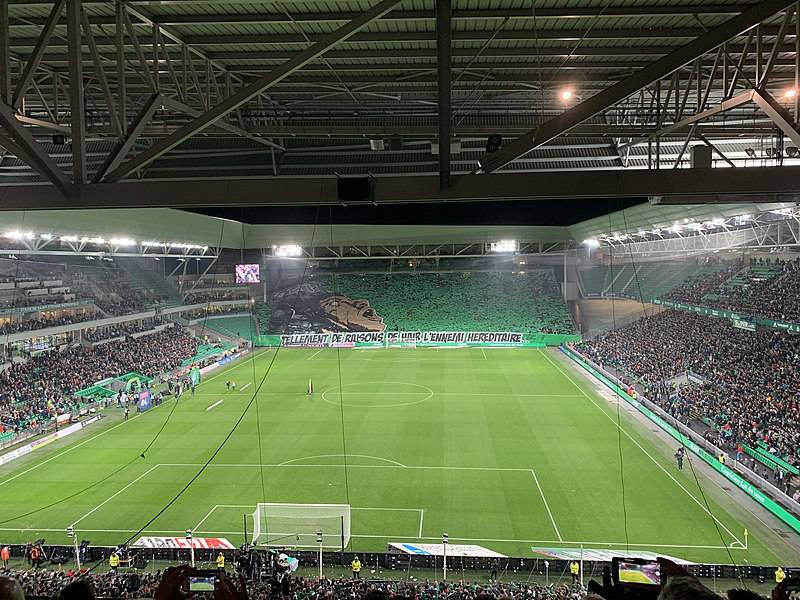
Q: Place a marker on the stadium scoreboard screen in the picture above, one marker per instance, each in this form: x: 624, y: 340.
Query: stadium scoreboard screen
x: 248, y: 273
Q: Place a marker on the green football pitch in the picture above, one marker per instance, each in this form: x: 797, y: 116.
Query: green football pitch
x: 508, y: 449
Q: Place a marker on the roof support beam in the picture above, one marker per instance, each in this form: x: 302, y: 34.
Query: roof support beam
x: 253, y: 90
x: 768, y: 184
x: 773, y: 56
x: 32, y: 152
x: 443, y: 45
x: 681, y: 125
x: 778, y: 114
x: 5, y: 55
x: 192, y: 112
x: 38, y: 52
x: 642, y: 78
x: 142, y: 119
x: 76, y: 100
x: 101, y: 74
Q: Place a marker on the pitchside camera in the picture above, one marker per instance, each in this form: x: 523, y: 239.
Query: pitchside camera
x: 70, y: 531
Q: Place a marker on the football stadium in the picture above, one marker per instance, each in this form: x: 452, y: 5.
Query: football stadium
x: 388, y: 299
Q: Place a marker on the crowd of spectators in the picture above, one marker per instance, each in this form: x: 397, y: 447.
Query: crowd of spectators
x: 143, y: 585
x: 216, y: 296
x: 99, y: 334
x: 774, y: 297
x: 752, y: 378
x: 17, y: 325
x: 34, y: 389
x: 694, y: 289
x: 214, y: 311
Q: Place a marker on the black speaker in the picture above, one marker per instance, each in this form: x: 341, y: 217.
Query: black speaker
x: 494, y: 143
x: 353, y: 189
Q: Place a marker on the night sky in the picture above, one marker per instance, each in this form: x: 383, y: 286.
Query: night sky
x: 539, y: 212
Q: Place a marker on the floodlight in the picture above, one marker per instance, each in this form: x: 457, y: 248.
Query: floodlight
x: 288, y: 250
x: 592, y: 243
x: 504, y: 246
x: 115, y: 241
x: 790, y: 93
x: 567, y: 95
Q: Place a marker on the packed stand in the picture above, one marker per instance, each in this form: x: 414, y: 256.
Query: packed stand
x: 143, y: 585
x: 694, y: 289
x: 216, y: 296
x: 99, y: 334
x: 27, y: 395
x: 773, y: 298
x: 19, y: 325
x: 752, y: 379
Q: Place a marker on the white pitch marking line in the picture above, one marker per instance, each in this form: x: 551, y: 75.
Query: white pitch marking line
x: 110, y: 498
x: 484, y: 354
x: 203, y: 520
x: 610, y: 418
x: 547, y: 506
x: 244, y: 387
x: 71, y: 448
x: 287, y: 463
x: 421, y: 516
x: 216, y: 404
x: 315, y: 353
x: 349, y: 466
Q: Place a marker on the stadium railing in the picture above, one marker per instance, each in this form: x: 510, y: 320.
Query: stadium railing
x: 758, y: 488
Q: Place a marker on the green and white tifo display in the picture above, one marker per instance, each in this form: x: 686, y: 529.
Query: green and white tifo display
x: 508, y: 449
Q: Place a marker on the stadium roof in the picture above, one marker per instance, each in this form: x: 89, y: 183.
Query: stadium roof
x: 181, y: 227
x: 101, y: 98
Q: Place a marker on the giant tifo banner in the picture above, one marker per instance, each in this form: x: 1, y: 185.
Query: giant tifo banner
x: 378, y: 339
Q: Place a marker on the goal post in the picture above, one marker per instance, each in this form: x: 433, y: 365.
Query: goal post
x: 296, y: 525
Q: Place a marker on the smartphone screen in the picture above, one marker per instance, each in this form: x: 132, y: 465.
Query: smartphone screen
x: 201, y: 583
x: 645, y: 573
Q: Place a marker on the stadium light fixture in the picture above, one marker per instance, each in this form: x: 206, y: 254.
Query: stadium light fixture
x: 504, y: 246
x: 567, y: 94
x: 115, y: 241
x: 592, y: 243
x: 287, y: 250
x: 790, y: 93
x: 46, y: 236
x: 69, y: 238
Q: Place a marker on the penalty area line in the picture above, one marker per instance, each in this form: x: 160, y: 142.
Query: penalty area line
x: 213, y: 406
x: 244, y: 387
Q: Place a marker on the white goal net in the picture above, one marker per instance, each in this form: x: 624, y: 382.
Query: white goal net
x: 296, y: 525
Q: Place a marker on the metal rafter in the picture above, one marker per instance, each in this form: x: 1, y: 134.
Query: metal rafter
x: 32, y: 152
x: 642, y: 78
x: 443, y: 45
x: 38, y: 51
x: 252, y: 90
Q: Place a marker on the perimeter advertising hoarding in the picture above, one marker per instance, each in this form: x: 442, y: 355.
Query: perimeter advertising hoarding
x: 438, y: 550
x: 198, y: 543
